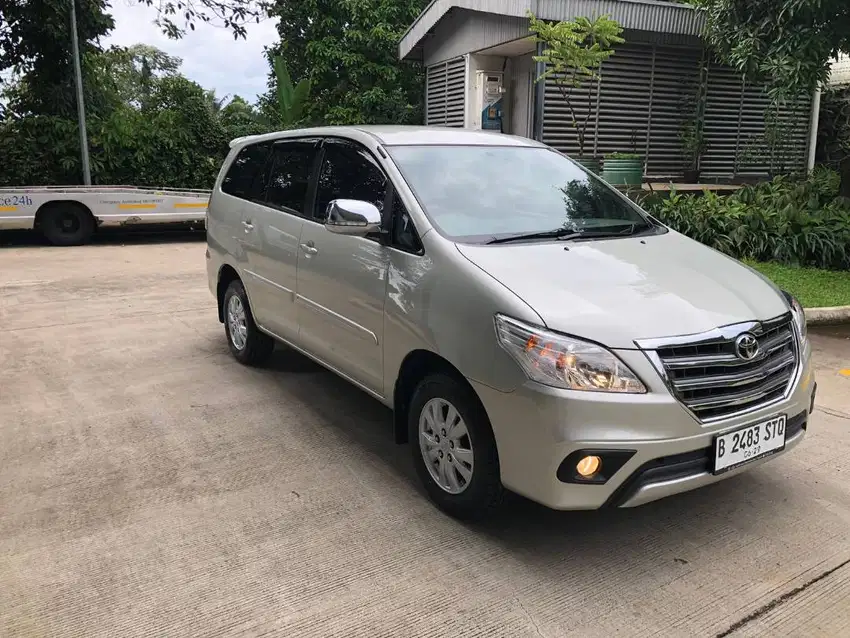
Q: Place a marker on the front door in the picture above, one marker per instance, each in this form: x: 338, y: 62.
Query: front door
x: 342, y: 279
x: 273, y: 224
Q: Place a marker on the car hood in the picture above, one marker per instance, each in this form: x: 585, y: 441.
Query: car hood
x: 614, y: 291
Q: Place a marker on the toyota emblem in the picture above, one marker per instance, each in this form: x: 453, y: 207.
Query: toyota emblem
x: 746, y: 347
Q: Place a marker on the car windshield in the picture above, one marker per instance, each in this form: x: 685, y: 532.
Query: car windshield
x: 480, y: 194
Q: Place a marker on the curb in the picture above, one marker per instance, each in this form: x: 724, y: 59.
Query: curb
x: 827, y: 316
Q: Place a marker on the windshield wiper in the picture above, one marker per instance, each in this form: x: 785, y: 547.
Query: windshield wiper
x: 563, y: 234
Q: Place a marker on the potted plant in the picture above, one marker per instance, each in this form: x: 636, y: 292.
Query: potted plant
x: 573, y: 53
x: 623, y: 168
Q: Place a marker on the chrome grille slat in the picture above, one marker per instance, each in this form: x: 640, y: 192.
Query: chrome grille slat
x: 739, y: 398
x: 763, y: 371
x: 713, y: 382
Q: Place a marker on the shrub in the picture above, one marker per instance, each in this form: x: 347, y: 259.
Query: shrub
x: 799, y: 222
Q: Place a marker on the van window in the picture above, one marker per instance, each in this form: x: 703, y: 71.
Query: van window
x: 348, y: 172
x: 480, y: 193
x: 290, y: 175
x: 244, y: 178
x: 404, y: 235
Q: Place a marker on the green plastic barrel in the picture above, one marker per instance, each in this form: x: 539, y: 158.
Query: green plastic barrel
x: 623, y: 171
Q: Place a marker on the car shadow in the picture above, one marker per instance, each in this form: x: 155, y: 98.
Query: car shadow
x: 740, y: 506
x: 111, y: 236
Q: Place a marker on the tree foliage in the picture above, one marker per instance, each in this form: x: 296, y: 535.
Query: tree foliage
x: 573, y: 52
x: 291, y: 97
x: 787, y: 44
x: 35, y: 49
x: 348, y: 49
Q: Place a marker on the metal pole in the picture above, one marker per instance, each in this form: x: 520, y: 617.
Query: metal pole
x: 539, y: 96
x: 81, y: 107
x: 813, y: 130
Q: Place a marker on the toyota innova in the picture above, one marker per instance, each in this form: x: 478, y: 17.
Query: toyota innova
x: 531, y: 328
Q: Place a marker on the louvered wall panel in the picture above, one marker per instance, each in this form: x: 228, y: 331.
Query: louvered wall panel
x: 722, y: 113
x: 445, y: 93
x: 676, y: 76
x: 558, y: 130
x: 624, y: 101
x: 641, y: 92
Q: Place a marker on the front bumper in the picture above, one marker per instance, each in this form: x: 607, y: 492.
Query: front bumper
x: 536, y: 427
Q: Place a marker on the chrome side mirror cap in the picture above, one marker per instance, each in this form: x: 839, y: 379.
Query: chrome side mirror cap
x: 352, y: 217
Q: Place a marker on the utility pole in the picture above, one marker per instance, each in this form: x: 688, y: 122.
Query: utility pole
x: 81, y: 107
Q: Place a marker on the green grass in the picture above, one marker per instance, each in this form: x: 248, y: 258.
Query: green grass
x: 813, y: 288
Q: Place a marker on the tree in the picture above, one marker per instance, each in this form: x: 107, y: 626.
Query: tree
x: 573, y: 52
x: 239, y: 118
x: 175, y: 16
x: 35, y: 50
x: 348, y: 49
x: 786, y: 44
x: 135, y: 68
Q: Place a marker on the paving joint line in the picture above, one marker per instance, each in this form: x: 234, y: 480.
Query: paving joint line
x: 767, y: 607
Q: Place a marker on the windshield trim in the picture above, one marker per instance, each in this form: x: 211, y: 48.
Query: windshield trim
x: 481, y: 239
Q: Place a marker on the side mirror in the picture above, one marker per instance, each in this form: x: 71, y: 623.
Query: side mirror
x: 353, y: 217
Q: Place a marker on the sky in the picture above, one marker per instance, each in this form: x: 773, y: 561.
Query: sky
x: 211, y: 57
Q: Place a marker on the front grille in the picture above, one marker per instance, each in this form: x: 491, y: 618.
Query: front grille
x: 709, y: 376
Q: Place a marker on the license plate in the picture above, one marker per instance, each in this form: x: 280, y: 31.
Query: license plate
x: 734, y: 449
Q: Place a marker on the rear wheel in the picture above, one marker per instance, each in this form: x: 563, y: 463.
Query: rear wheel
x: 67, y: 224
x: 453, y: 448
x: 247, y: 344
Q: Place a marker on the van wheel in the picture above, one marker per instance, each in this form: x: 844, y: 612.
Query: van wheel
x: 247, y: 344
x: 67, y: 224
x: 453, y: 448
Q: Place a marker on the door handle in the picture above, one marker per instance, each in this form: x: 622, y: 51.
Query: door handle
x: 309, y: 249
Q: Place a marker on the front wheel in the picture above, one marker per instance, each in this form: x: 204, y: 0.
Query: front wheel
x: 453, y: 448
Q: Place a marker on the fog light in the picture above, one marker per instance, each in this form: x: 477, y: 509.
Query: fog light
x: 588, y: 466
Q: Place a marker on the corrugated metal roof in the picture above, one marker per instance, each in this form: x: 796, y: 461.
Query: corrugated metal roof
x: 643, y: 15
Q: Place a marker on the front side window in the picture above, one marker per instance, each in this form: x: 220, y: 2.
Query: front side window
x: 348, y: 172
x: 479, y: 194
x: 290, y: 175
x: 244, y: 178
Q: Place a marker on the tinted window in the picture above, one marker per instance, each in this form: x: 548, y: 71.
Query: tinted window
x: 477, y: 193
x: 290, y: 175
x: 349, y: 172
x: 244, y: 178
x: 404, y: 232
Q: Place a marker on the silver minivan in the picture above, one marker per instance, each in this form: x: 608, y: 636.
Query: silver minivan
x: 531, y: 328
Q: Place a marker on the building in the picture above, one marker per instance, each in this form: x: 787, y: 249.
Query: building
x: 840, y: 72
x: 644, y: 85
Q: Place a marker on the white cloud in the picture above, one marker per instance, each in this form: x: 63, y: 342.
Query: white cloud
x: 211, y: 57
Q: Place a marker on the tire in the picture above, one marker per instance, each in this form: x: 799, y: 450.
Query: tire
x: 482, y: 492
x: 67, y: 224
x: 248, y: 345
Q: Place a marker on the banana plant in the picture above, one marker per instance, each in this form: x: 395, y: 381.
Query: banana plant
x: 291, y: 98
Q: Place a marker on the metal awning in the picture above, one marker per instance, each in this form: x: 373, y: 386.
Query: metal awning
x: 643, y: 15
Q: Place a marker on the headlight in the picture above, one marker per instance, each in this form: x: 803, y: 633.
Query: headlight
x: 799, y: 315
x: 564, y: 362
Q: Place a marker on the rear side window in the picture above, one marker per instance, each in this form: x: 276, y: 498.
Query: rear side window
x: 244, y: 178
x: 290, y: 175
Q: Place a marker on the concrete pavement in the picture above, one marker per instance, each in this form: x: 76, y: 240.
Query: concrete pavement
x: 151, y: 486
